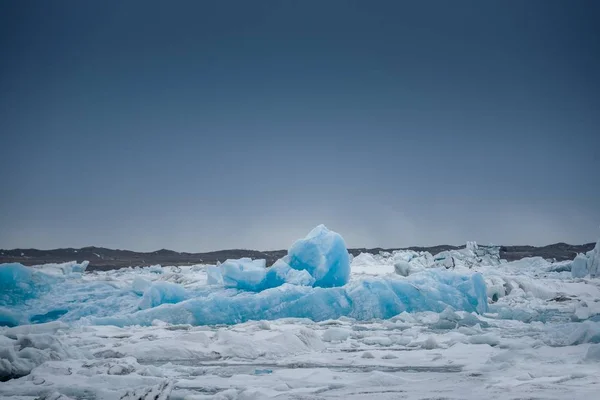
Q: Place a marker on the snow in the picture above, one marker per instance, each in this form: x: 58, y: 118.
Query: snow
x: 479, y: 328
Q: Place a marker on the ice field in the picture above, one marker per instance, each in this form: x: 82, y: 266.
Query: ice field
x: 318, y: 324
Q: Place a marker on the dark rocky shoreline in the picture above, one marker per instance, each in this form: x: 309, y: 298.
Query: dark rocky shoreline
x: 106, y: 259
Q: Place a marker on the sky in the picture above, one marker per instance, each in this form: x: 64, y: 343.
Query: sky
x: 205, y: 125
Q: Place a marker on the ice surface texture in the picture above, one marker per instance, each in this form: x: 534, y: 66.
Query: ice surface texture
x: 38, y: 295
x: 253, y: 276
x: 432, y: 290
x: 162, y: 293
x: 19, y: 283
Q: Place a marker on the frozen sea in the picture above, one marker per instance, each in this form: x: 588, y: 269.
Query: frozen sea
x: 405, y: 325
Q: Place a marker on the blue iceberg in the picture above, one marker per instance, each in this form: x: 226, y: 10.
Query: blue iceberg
x: 432, y: 290
x: 311, y: 281
x: 19, y: 284
x: 323, y: 254
x: 320, y: 259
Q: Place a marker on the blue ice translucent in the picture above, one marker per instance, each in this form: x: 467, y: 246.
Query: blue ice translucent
x: 320, y: 259
x: 32, y: 295
x: 432, y: 290
x: 19, y: 284
x: 162, y: 293
x: 324, y: 255
x: 9, y: 317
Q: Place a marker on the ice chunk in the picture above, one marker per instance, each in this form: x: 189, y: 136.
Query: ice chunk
x: 157, y: 269
x: 594, y: 260
x: 161, y: 293
x: 364, y: 259
x: 62, y: 269
x: 214, y: 275
x: 473, y: 254
x: 19, y: 284
x: 421, y: 261
x: 251, y: 275
x: 324, y: 255
x: 8, y: 317
x: 244, y: 274
x: 579, y: 267
x: 489, y: 339
x: 402, y: 268
x: 495, y: 288
x: 80, y: 267
x: 593, y: 353
x: 281, y: 273
x: 28, y: 347
x: 139, y: 285
x: 336, y: 334
x: 587, y: 264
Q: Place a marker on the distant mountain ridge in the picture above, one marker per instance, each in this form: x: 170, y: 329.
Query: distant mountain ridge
x: 101, y: 258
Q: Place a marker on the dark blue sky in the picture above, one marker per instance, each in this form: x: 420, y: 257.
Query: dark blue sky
x: 202, y: 125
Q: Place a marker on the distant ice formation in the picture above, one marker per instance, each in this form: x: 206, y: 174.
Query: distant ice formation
x: 587, y: 264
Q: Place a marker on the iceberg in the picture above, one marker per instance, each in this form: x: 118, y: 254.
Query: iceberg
x: 320, y: 259
x: 311, y: 281
x: 324, y: 255
x: 19, y: 284
x: 579, y: 267
x: 587, y: 264
x: 432, y: 290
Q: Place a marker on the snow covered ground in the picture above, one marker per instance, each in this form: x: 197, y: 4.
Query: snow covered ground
x: 400, y: 326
